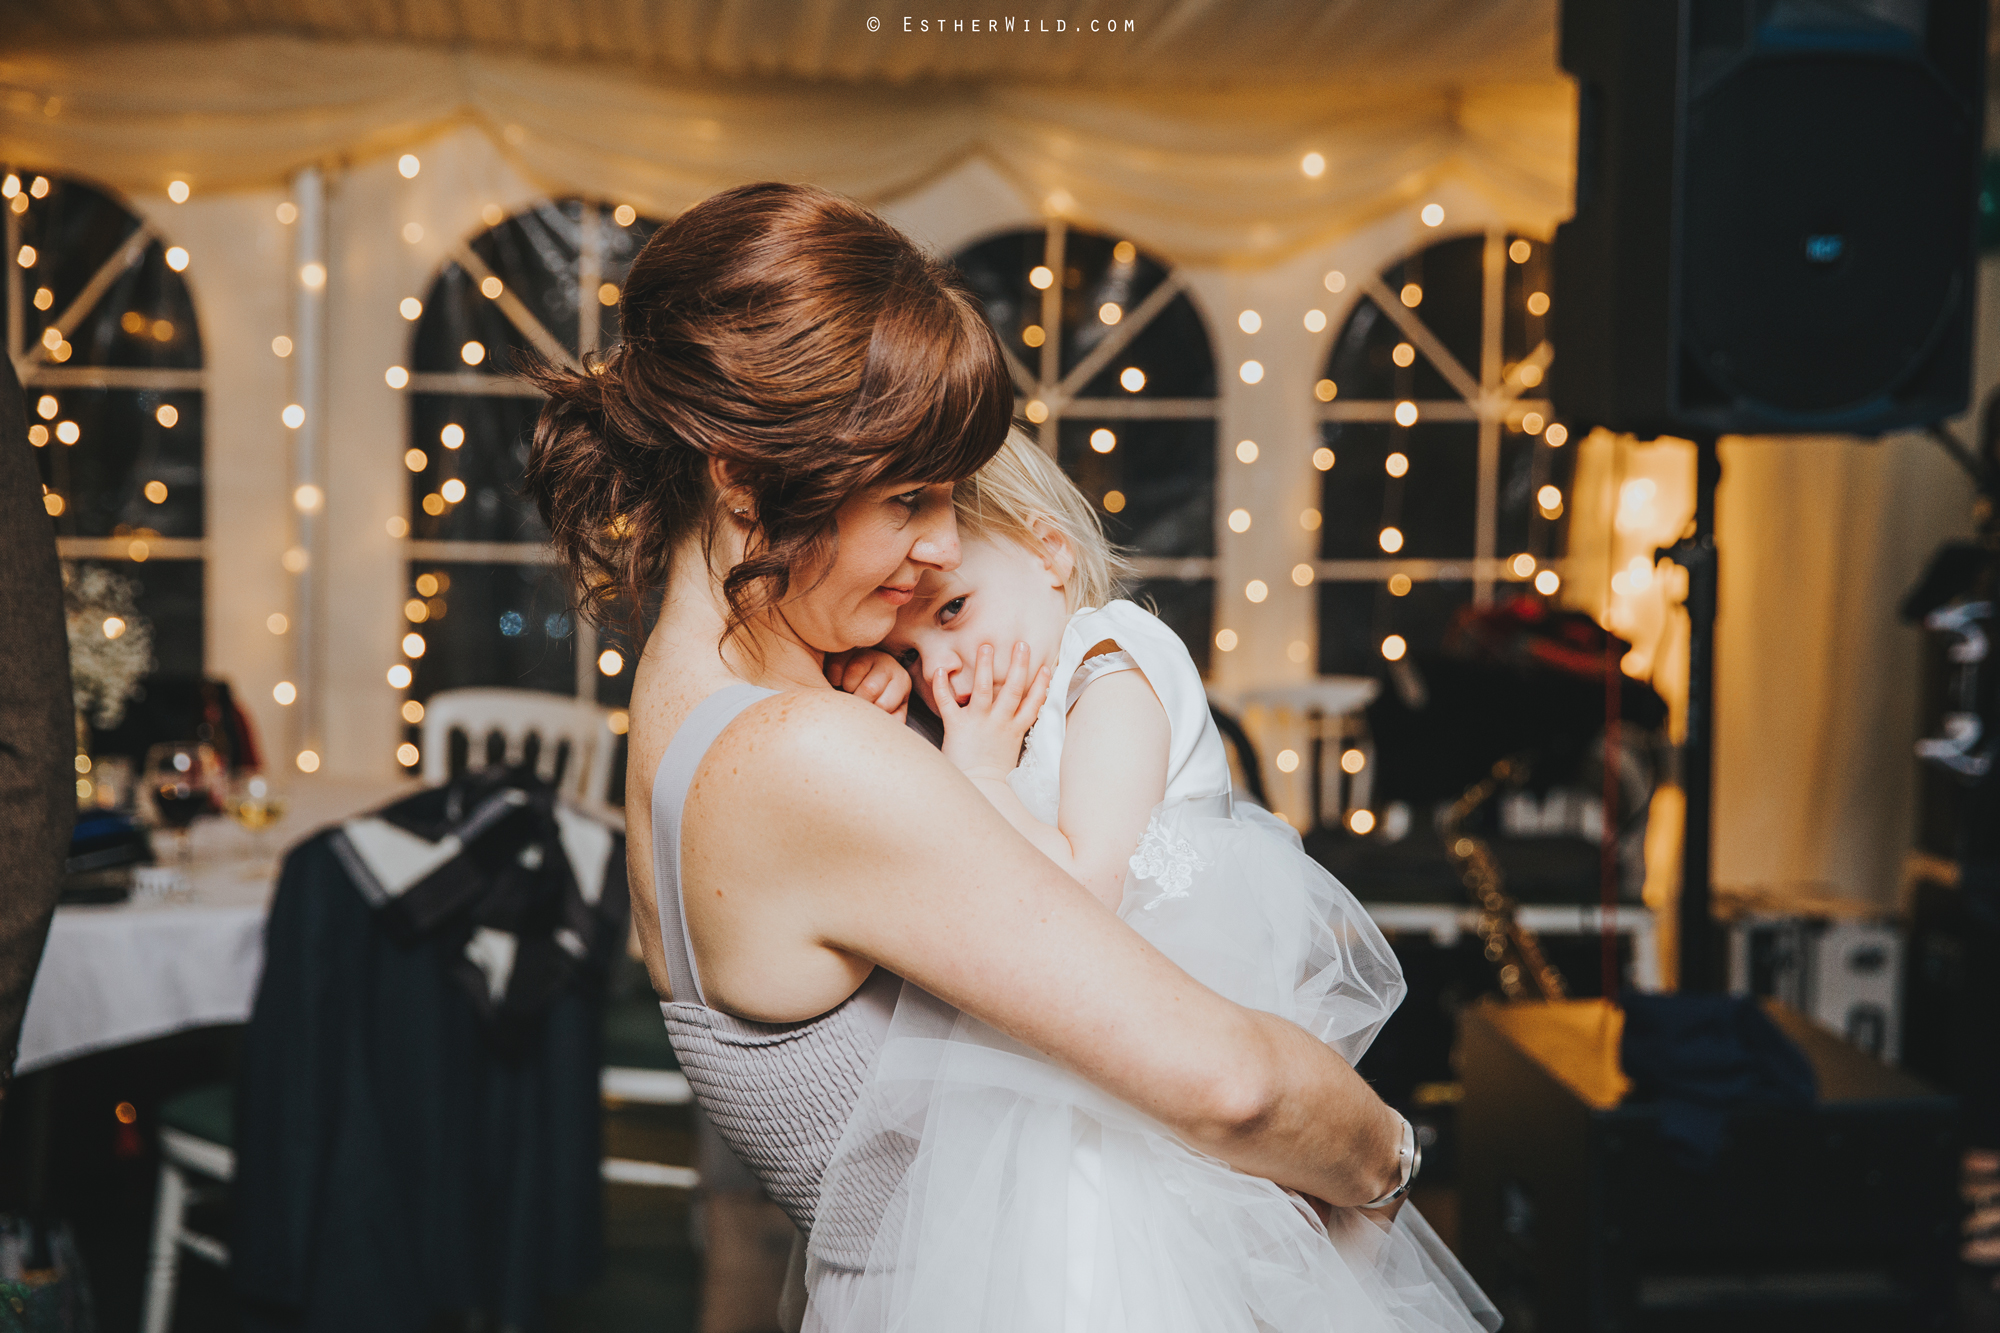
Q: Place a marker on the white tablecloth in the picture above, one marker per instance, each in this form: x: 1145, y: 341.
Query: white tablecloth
x: 126, y: 972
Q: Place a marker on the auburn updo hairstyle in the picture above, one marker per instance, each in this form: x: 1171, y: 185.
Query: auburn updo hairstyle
x: 792, y: 335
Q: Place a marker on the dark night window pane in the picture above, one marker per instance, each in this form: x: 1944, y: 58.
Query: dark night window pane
x: 1163, y: 473
x: 1354, y: 618
x: 1452, y: 277
x: 456, y: 314
x: 1188, y: 607
x: 492, y: 451
x: 1433, y: 503
x: 168, y: 593
x: 492, y: 624
x: 1363, y: 363
x: 144, y: 318
x: 121, y: 449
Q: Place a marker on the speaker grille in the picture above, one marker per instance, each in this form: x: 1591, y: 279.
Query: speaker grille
x: 1825, y: 242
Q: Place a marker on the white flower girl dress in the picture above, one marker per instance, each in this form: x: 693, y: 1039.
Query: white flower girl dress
x: 981, y: 1188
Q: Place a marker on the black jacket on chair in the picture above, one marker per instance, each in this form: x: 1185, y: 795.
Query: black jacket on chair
x: 408, y: 1144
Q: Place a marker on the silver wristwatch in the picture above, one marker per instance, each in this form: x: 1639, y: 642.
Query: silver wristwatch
x: 1409, y: 1157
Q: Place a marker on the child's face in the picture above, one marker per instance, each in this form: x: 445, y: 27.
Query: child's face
x: 1000, y: 594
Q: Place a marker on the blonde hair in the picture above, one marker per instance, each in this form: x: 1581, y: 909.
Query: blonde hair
x: 1021, y: 484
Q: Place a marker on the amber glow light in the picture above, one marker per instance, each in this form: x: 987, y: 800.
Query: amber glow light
x: 610, y: 662
x: 1287, y: 761
x: 308, y: 761
x: 285, y: 693
x: 1225, y: 639
x: 1246, y: 451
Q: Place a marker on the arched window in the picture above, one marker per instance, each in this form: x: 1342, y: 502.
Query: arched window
x: 484, y: 604
x: 103, y: 335
x: 1112, y: 364
x: 1446, y: 473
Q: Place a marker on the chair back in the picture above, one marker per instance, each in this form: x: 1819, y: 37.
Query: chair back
x: 572, y: 741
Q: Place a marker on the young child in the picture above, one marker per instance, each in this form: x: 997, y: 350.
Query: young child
x: 1013, y: 1194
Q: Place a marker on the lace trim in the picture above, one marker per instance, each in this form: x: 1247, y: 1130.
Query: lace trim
x: 1167, y: 859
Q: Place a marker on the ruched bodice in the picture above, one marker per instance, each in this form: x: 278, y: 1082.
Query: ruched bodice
x: 779, y: 1093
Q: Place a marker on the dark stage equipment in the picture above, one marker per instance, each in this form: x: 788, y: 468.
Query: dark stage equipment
x: 1776, y: 214
x: 1576, y: 1215
x: 1775, y: 226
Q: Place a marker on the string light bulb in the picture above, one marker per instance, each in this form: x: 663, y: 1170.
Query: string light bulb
x: 409, y: 166
x: 1394, y: 647
x: 1249, y: 321
x: 177, y: 258
x: 399, y: 676
x: 285, y: 693
x: 472, y: 353
x: 1256, y: 590
x: 1313, y: 165
x: 407, y: 755
x: 1433, y: 215
x: 1315, y: 320
x: 610, y: 662
x: 1251, y: 372
x: 177, y: 191
x: 624, y: 215
x: 1103, y: 441
x: 1246, y: 451
x: 312, y: 276
x: 1225, y: 639
x: 293, y: 416
x: 308, y: 761
x: 411, y: 308
x: 1239, y: 520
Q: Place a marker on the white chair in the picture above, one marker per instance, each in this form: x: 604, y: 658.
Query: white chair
x: 197, y: 1133
x: 555, y: 720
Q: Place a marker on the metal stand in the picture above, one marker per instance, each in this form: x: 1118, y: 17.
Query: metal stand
x: 1697, y: 555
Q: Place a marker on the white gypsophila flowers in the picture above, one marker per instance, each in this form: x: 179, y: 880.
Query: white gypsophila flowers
x: 110, y: 643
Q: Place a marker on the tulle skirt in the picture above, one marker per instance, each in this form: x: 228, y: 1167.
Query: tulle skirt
x: 981, y: 1188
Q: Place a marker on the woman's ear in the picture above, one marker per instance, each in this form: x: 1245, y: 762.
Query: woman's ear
x: 1058, y: 557
x: 732, y: 495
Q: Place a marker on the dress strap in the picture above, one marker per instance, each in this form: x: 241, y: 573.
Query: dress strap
x: 671, y: 781
x: 1104, y: 664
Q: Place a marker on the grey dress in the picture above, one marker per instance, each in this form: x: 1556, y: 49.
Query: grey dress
x: 778, y: 1093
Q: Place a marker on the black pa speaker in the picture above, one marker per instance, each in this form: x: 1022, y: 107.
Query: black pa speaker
x: 1776, y: 211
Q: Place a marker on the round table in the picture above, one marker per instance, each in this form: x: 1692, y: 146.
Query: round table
x: 124, y: 972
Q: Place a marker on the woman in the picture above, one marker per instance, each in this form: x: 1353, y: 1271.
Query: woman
x: 772, y: 450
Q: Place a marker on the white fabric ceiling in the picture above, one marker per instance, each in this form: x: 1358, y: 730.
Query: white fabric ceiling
x: 1173, y: 43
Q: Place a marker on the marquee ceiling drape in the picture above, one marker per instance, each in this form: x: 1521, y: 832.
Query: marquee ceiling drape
x: 1188, y: 132
x: 1171, y: 43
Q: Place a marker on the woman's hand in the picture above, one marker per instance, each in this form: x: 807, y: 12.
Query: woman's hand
x: 983, y: 735
x: 872, y: 675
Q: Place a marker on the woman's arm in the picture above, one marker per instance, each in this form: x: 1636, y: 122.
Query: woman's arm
x: 866, y: 846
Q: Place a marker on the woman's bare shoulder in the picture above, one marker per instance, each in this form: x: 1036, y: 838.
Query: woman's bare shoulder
x: 813, y: 752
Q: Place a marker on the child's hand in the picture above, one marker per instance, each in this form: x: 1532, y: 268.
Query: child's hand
x: 983, y: 736
x: 872, y: 675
